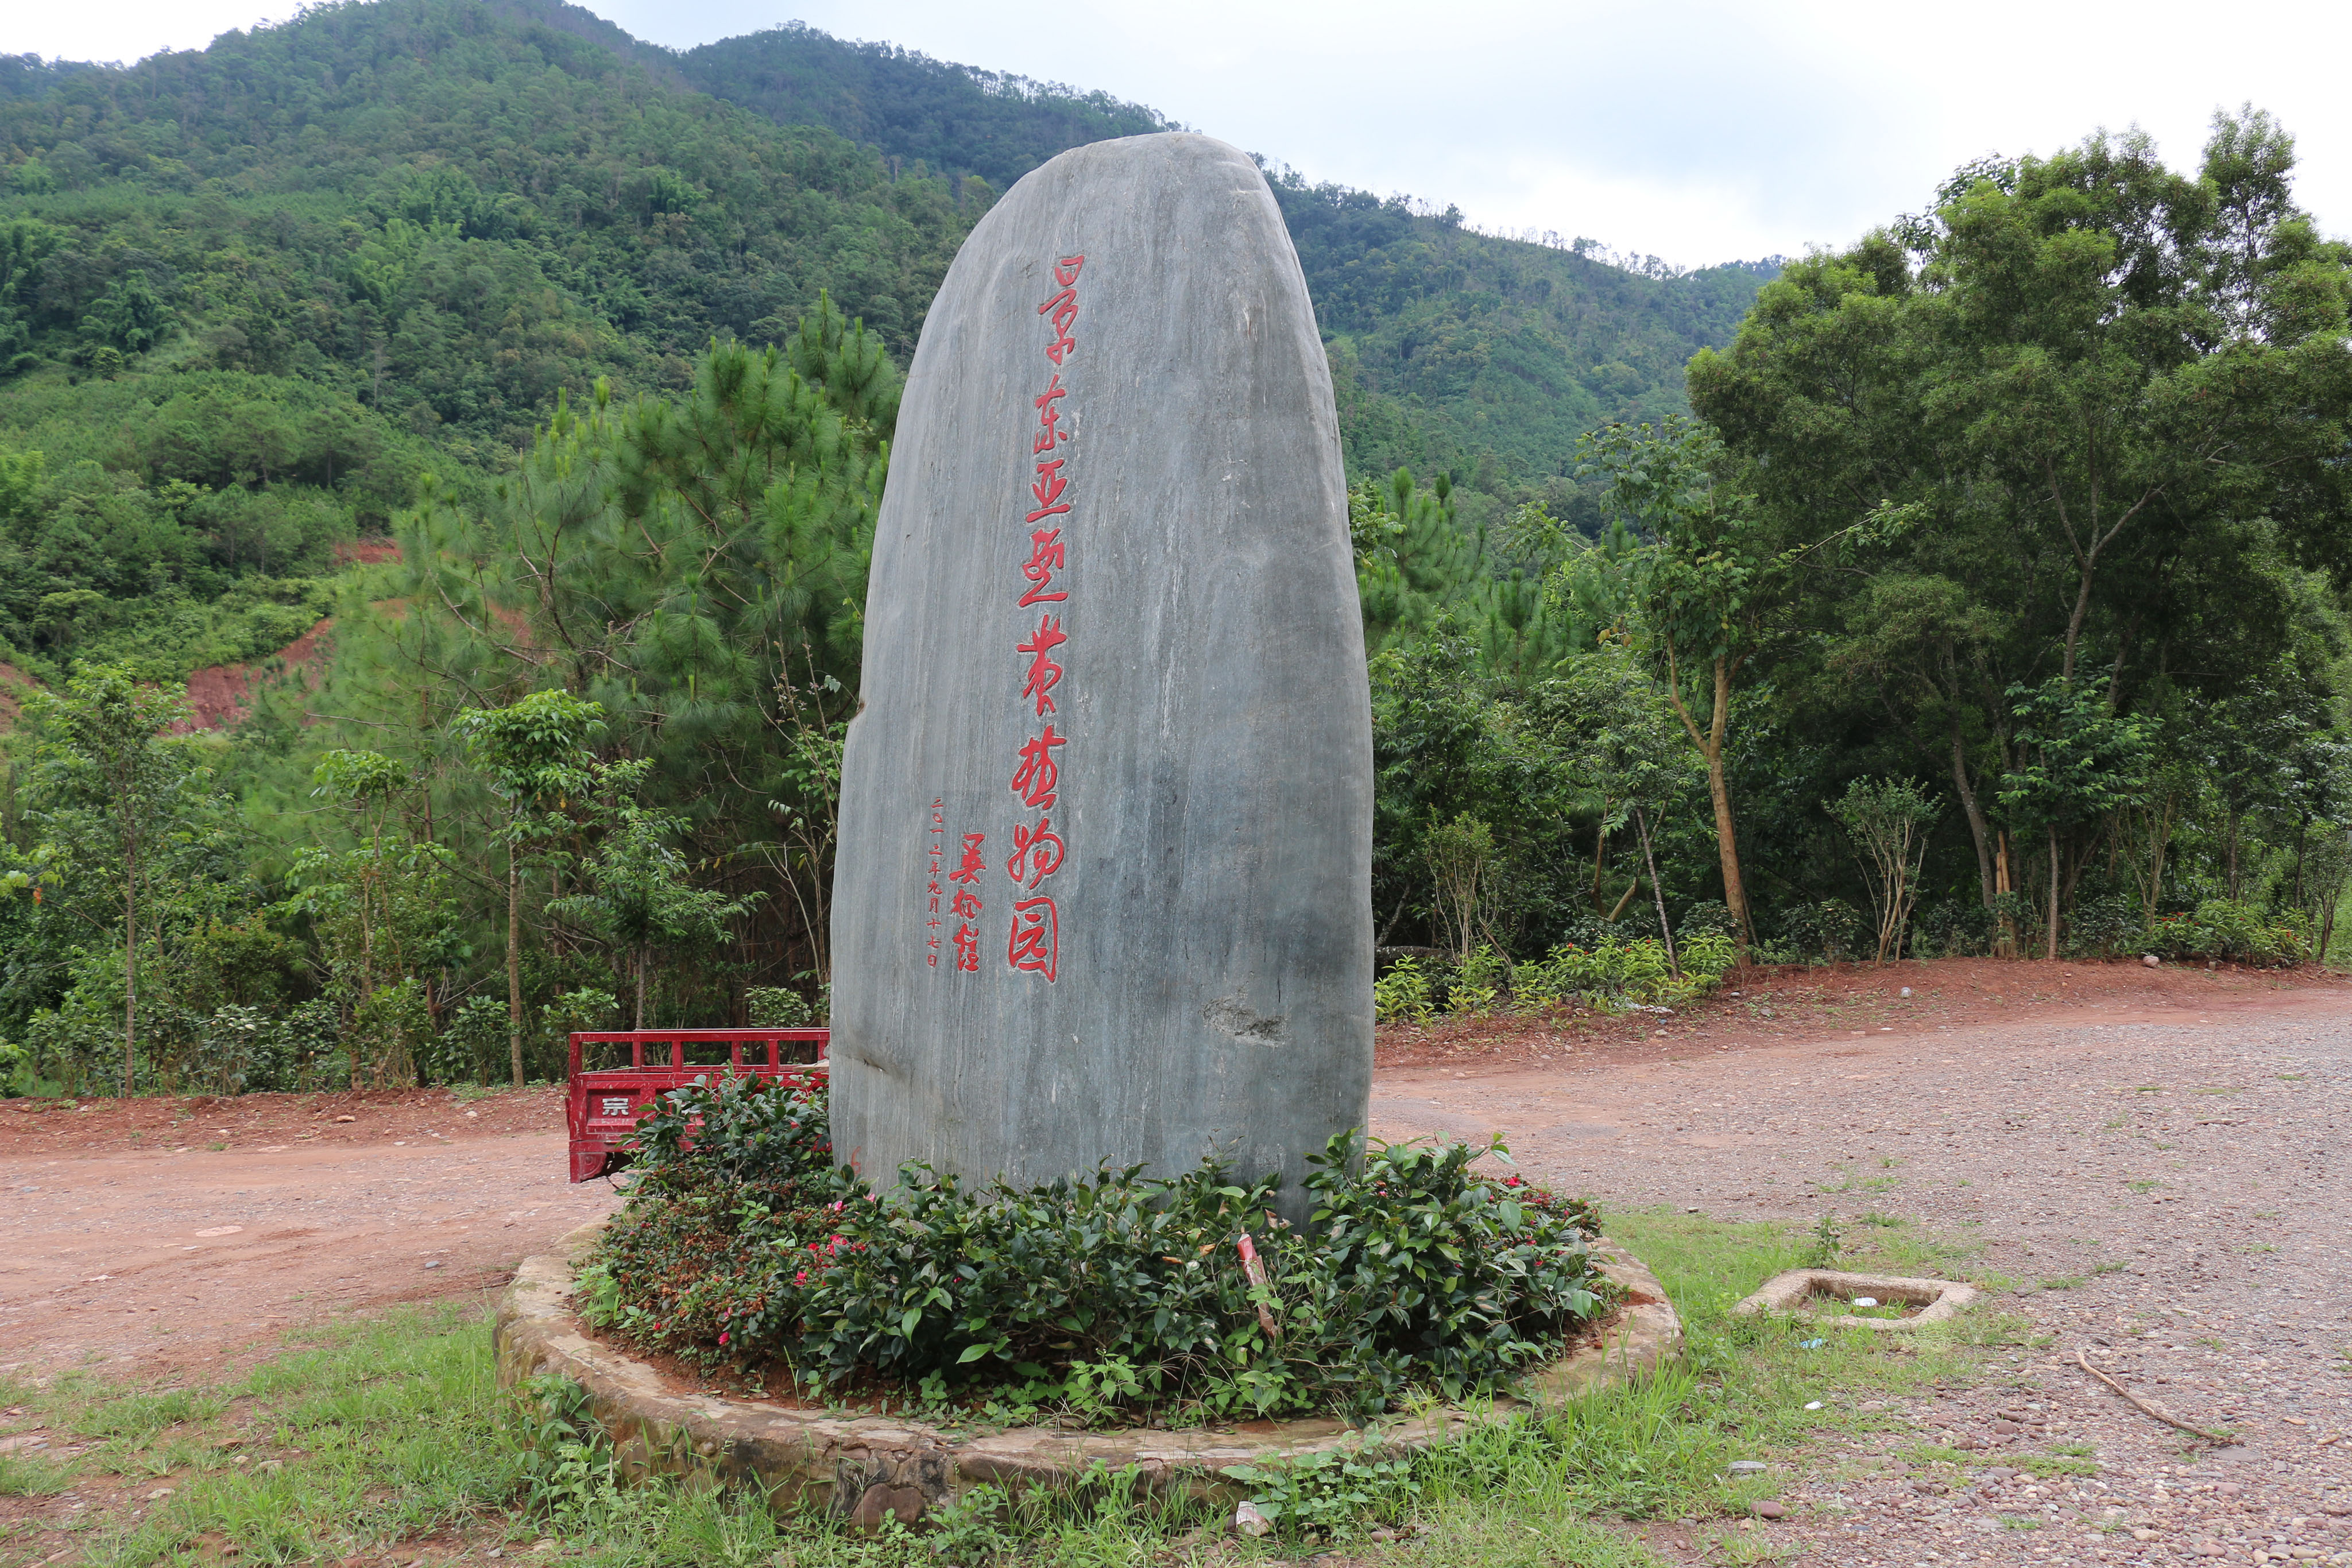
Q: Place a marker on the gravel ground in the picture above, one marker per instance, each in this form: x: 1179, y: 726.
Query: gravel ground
x: 2171, y: 1197
x: 2170, y: 1160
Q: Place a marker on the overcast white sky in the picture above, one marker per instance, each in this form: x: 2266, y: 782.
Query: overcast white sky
x: 1695, y: 130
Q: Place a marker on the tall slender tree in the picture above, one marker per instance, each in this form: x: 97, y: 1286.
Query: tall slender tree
x: 534, y: 753
x: 106, y: 755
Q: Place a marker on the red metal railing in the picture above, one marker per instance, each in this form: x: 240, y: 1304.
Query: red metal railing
x: 604, y: 1104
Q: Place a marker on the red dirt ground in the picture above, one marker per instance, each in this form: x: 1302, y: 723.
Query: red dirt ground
x: 367, y: 552
x: 173, y: 1232
x: 259, y: 1122
x: 218, y: 692
x: 16, y: 685
x: 1773, y: 1003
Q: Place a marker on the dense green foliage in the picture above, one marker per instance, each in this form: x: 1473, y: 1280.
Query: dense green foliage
x: 2042, y: 496
x: 1482, y: 355
x: 446, y: 211
x: 433, y: 333
x: 955, y: 119
x: 740, y: 1244
x: 1487, y: 357
x: 250, y: 295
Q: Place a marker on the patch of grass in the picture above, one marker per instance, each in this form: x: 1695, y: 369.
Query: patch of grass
x: 2111, y: 1266
x: 1756, y: 1373
x: 2146, y: 1186
x: 2065, y: 1282
x: 2045, y: 1466
x: 379, y: 1429
x: 33, y: 1475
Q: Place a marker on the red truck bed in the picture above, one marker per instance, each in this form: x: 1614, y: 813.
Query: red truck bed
x: 603, y: 1104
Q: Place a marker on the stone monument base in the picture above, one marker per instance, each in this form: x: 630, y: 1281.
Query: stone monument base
x: 862, y: 1467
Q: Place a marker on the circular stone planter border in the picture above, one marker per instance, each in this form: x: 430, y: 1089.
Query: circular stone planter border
x: 866, y: 1467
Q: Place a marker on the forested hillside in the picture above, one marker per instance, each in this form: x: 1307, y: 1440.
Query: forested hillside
x: 1996, y: 605
x: 1451, y: 349
x: 250, y: 295
x: 950, y: 118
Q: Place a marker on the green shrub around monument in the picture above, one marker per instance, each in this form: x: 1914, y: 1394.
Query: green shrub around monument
x: 743, y: 1245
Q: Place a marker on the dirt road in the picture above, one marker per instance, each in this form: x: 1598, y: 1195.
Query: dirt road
x: 188, y: 1260
x: 2173, y: 1196
x: 2170, y: 1156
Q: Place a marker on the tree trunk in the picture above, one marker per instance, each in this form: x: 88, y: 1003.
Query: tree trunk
x: 1599, y: 854
x: 1977, y: 828
x: 2004, y: 940
x: 1719, y: 790
x: 514, y: 962
x: 1665, y: 932
x: 2050, y: 946
x: 2327, y: 919
x: 129, y: 964
x: 640, y: 1024
x: 367, y: 938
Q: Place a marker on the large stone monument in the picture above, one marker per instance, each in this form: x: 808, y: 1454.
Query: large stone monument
x: 1103, y: 880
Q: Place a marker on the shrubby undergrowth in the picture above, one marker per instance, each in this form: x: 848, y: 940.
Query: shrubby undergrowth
x: 1609, y: 975
x: 1115, y: 1295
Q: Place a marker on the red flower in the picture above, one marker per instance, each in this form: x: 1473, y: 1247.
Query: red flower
x: 722, y: 1339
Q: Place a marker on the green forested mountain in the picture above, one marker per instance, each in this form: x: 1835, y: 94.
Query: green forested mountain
x: 250, y: 294
x: 1997, y: 604
x: 1486, y: 358
x: 954, y: 120
x: 1451, y: 349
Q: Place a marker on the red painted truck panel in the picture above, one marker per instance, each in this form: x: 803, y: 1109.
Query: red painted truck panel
x: 605, y: 1103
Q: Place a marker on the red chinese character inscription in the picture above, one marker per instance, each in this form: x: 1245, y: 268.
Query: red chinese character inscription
x: 969, y: 872
x: 1044, y: 674
x: 1044, y: 560
x: 1035, y: 780
x: 1037, y: 853
x: 1036, y: 937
